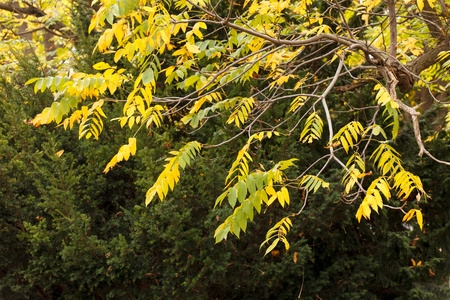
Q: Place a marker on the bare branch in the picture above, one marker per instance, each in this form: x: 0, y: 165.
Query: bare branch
x: 392, y: 30
x: 392, y: 83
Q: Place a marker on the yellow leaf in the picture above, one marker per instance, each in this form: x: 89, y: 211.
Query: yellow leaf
x: 120, y: 155
x: 344, y: 143
x: 192, y: 48
x: 132, y: 144
x: 394, y: 104
x: 101, y: 66
x: 59, y: 153
x: 281, y: 199
x: 285, y: 193
x: 106, y: 75
x: 197, y: 31
x: 419, y: 217
x: 366, y: 210
x: 359, y: 213
x: 253, y: 8
x: 149, y: 197
x: 111, y: 164
x: 78, y: 75
x: 118, y: 32
x: 409, y: 215
x: 160, y: 192
x: 334, y: 145
x: 118, y: 55
x: 420, y: 4
x: 92, y: 25
x: 85, y: 112
x: 169, y: 70
x: 131, y: 122
x: 286, y: 244
x: 31, y: 81
x: 384, y: 188
x: 109, y: 34
x: 140, y: 104
x: 383, y: 96
x: 112, y: 87
x: 364, y: 174
x: 123, y: 121
x: 165, y: 37
x: 271, y: 200
x: 270, y: 190
x: 126, y: 152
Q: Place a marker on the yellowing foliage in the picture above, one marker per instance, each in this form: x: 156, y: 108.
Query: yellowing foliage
x: 265, y: 69
x: 171, y: 174
x: 124, y: 154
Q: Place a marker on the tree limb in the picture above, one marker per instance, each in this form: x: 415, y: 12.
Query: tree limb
x: 433, y: 22
x: 392, y: 30
x: 15, y: 7
x: 392, y: 82
x: 428, y: 58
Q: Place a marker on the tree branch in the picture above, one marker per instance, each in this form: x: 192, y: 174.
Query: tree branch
x: 433, y: 22
x: 392, y: 30
x: 392, y: 82
x: 428, y: 58
x: 15, y: 7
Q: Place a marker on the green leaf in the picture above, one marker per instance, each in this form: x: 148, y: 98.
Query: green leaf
x: 241, y: 191
x: 190, y: 81
x: 179, y: 73
x: 57, y: 81
x: 248, y: 209
x: 259, y: 181
x: 64, y: 106
x: 109, y: 17
x: 222, y: 232
x: 241, y: 218
x: 256, y: 202
x: 271, y: 247
x: 48, y: 82
x: 263, y: 195
x: 148, y: 76
x: 182, y: 162
x: 220, y: 199
x: 232, y: 196
x: 39, y: 84
x: 194, y: 121
x: 235, y: 228
x: 251, y: 184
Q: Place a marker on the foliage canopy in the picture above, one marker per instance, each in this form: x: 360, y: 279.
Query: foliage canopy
x: 278, y: 52
x: 266, y: 69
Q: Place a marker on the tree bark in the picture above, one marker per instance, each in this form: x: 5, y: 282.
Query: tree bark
x: 428, y: 58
